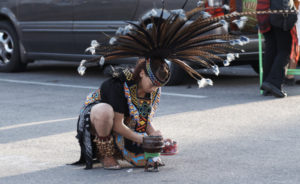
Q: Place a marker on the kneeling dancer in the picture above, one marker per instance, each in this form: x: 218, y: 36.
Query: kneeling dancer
x: 116, y: 117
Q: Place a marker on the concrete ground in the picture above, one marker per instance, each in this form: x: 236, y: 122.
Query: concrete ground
x: 226, y: 134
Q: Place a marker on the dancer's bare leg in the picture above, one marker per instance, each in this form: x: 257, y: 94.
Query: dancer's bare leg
x: 102, y: 118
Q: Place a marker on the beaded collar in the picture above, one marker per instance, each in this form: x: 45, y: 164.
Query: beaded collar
x: 141, y: 110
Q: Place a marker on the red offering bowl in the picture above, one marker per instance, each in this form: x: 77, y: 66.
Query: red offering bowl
x: 170, y: 147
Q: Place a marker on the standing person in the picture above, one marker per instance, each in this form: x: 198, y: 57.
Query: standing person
x: 115, y: 118
x: 278, y: 45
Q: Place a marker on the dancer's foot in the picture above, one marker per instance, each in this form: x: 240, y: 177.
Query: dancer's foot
x: 110, y: 163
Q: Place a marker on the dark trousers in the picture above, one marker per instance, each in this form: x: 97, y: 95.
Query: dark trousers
x: 278, y: 45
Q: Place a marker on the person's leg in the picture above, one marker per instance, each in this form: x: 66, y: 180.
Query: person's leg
x: 102, y: 116
x: 294, y: 56
x: 269, y: 54
x: 284, y: 45
x: 290, y: 79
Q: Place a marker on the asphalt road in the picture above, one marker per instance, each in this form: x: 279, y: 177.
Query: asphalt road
x: 227, y: 134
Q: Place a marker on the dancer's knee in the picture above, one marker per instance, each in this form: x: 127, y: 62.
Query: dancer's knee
x: 102, y: 112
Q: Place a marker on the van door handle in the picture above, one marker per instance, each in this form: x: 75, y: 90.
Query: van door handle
x: 102, y: 2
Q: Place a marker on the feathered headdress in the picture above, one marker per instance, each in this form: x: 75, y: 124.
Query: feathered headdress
x: 175, y: 36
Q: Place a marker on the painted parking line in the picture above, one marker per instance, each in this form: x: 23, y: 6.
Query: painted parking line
x: 183, y: 95
x: 89, y: 87
x: 47, y: 84
x: 36, y: 123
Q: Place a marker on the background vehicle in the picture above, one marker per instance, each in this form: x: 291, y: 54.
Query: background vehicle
x: 62, y: 29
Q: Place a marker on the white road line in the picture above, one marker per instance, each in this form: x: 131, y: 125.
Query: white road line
x: 183, y: 95
x: 36, y: 123
x: 88, y: 87
x: 47, y: 84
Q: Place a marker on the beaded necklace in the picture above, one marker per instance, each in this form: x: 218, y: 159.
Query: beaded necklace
x: 141, y: 109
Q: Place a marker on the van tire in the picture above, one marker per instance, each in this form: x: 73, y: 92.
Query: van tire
x: 10, y: 60
x: 178, y: 75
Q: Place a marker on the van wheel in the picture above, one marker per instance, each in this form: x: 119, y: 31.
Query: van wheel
x: 178, y: 75
x: 10, y: 60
